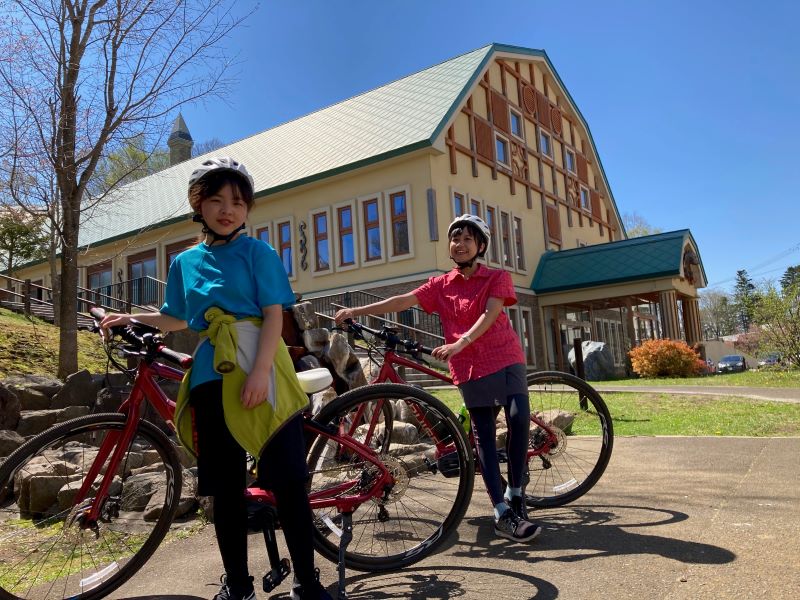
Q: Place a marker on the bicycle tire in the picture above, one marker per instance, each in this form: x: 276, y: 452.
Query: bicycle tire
x: 580, y: 418
x: 429, y: 498
x: 46, y: 553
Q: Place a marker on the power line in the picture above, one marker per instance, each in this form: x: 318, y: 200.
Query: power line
x: 769, y: 261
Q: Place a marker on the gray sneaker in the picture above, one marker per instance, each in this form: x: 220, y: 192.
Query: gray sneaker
x: 517, y: 504
x: 511, y: 527
x: 226, y: 592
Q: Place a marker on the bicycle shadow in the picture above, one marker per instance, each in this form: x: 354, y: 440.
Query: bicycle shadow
x: 571, y: 534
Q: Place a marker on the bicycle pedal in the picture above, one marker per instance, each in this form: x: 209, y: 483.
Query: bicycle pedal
x: 276, y: 576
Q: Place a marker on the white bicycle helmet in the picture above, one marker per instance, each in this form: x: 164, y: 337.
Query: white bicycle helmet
x: 476, y: 222
x: 220, y: 162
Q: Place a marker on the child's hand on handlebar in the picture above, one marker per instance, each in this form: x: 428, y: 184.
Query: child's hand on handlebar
x: 447, y: 351
x: 343, y: 314
x: 113, y: 320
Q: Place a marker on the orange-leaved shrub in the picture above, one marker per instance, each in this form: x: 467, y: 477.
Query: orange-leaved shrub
x: 665, y: 358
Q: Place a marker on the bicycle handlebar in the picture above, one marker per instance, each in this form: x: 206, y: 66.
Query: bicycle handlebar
x: 143, y: 337
x: 390, y: 337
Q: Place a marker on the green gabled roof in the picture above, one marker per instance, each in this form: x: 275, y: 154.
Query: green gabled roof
x: 646, y: 257
x: 394, y: 119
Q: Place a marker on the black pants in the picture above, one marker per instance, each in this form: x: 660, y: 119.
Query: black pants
x: 222, y: 473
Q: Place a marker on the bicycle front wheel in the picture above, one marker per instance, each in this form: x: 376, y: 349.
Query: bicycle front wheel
x: 48, y: 547
x: 570, y: 440
x: 426, y: 452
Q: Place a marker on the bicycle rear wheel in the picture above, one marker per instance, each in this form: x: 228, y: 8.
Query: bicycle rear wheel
x: 429, y: 458
x: 569, y: 463
x: 47, y: 549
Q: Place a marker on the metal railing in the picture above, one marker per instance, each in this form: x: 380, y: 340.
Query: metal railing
x: 413, y: 323
x: 145, y: 293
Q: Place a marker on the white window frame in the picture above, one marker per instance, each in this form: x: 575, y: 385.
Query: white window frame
x: 311, y: 234
x: 464, y: 198
x: 292, y: 243
x: 356, y: 238
x: 570, y: 152
x: 387, y: 199
x: 498, y: 240
x: 517, y: 268
x: 543, y: 134
x: 514, y: 111
x: 362, y: 235
x: 526, y: 315
x: 512, y: 250
x: 507, y: 143
x: 269, y: 225
x: 588, y: 206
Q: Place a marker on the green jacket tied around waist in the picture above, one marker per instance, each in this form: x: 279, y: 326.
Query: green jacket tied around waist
x: 235, y: 343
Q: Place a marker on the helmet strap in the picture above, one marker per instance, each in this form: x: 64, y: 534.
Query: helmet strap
x: 216, y: 237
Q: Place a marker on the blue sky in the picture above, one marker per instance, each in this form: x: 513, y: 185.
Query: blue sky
x: 693, y: 106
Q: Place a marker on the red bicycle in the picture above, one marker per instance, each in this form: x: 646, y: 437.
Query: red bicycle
x: 84, y: 504
x: 571, y: 434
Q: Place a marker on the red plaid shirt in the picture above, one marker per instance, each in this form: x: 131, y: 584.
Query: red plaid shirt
x: 460, y: 302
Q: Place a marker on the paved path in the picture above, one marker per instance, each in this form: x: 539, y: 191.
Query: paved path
x: 673, y: 518
x: 757, y: 393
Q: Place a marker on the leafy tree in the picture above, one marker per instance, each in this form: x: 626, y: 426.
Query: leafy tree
x: 790, y: 277
x: 22, y: 238
x: 79, y: 79
x: 778, y: 313
x: 717, y: 314
x: 637, y: 226
x: 745, y: 298
x: 129, y: 163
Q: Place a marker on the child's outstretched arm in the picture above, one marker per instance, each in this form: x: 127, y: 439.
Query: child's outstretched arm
x: 393, y: 304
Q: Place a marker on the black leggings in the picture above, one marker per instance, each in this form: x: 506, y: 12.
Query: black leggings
x: 518, y: 421
x: 223, y: 474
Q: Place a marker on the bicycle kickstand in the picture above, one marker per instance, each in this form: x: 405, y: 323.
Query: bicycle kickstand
x: 347, y: 535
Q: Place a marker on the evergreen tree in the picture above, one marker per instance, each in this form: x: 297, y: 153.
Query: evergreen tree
x: 744, y: 300
x: 790, y: 278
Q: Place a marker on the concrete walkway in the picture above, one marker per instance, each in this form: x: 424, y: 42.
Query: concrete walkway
x: 672, y: 518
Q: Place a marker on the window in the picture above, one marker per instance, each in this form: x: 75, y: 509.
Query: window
x: 322, y: 256
x: 586, y: 202
x: 141, y: 267
x: 518, y: 244
x: 501, y: 150
x: 505, y: 233
x: 475, y: 207
x: 344, y: 216
x: 285, y: 246
x: 398, y: 209
x: 516, y: 123
x: 545, y: 146
x: 458, y: 204
x: 491, y: 221
x: 569, y: 160
x: 372, y: 230
x: 99, y: 279
x: 262, y: 233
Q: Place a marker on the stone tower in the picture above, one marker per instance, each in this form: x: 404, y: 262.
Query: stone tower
x: 180, y: 142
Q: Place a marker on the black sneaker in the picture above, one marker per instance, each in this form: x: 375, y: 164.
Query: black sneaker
x: 511, y: 527
x: 226, y: 592
x: 309, y: 591
x: 518, y: 505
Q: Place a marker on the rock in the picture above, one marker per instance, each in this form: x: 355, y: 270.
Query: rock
x: 321, y: 399
x: 112, y: 379
x: 305, y: 316
x: 186, y: 503
x: 10, y: 407
x: 598, y: 362
x: 339, y: 352
x: 78, y: 390
x: 109, y: 398
x: 185, y: 340
x: 559, y: 418
x: 306, y: 363
x: 9, y: 441
x: 29, y: 398
x: 44, y: 384
x: 316, y: 340
x: 71, y: 412
x: 206, y: 504
x: 32, y: 422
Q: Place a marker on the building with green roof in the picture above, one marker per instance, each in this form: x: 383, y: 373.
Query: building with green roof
x: 358, y: 196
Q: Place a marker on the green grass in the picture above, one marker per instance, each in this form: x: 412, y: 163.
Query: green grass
x: 641, y: 413
x: 760, y: 378
x: 30, y: 345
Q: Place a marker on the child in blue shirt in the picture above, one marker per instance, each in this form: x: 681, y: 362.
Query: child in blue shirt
x: 231, y: 281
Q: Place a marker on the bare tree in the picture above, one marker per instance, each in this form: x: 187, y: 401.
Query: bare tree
x: 80, y: 79
x: 637, y: 226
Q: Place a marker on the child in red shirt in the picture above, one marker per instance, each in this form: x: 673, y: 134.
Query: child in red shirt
x: 485, y: 358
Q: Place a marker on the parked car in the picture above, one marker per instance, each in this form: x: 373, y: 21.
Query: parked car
x: 732, y: 363
x: 773, y: 359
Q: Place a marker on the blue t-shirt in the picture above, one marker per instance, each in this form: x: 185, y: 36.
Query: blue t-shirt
x: 240, y: 277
